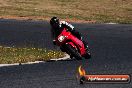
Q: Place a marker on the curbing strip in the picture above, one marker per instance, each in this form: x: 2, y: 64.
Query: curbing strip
x: 66, y: 57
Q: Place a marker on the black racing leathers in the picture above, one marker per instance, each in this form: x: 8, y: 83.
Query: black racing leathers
x: 69, y: 27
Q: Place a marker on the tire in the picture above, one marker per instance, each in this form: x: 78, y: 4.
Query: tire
x: 73, y: 52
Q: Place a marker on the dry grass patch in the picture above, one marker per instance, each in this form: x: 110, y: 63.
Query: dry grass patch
x: 10, y: 55
x: 99, y: 10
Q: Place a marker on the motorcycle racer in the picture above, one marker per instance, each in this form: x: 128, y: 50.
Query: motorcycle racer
x: 57, y: 27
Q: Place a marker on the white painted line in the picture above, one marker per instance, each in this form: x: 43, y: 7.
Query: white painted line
x: 3, y: 65
x: 111, y: 23
x: 63, y: 58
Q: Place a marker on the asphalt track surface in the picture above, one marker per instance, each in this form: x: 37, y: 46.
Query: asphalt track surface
x: 111, y: 47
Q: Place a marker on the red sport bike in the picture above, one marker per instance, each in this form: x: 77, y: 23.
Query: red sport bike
x: 72, y: 45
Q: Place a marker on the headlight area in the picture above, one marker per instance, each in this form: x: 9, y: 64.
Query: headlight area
x: 61, y: 38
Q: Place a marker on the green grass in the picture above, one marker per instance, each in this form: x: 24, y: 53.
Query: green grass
x: 10, y: 55
x: 99, y: 10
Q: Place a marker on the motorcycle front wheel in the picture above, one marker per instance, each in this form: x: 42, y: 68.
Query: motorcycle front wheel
x: 73, y: 52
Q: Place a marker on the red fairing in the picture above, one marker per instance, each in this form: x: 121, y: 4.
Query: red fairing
x: 74, y: 41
